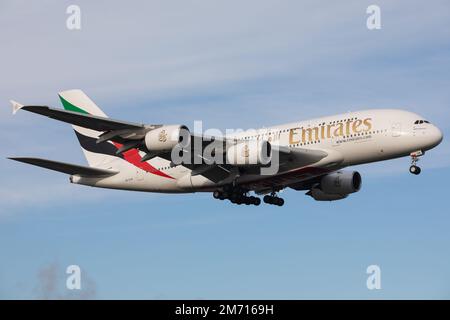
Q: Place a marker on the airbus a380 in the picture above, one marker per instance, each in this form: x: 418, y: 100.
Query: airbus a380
x: 305, y: 155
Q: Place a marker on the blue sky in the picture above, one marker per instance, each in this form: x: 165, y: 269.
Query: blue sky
x: 231, y: 65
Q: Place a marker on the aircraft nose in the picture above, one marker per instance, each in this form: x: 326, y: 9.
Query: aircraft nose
x: 436, y: 135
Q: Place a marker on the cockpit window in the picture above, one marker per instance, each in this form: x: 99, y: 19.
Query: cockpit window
x: 421, y: 121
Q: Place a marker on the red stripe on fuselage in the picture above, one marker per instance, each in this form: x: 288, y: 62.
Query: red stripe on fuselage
x: 133, y: 157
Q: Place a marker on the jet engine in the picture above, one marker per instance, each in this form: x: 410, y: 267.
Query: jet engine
x: 250, y: 153
x: 336, y: 186
x: 165, y: 138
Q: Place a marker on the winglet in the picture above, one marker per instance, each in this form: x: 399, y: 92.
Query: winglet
x: 16, y: 106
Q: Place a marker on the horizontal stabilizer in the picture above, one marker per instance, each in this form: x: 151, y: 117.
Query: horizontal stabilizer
x: 68, y: 168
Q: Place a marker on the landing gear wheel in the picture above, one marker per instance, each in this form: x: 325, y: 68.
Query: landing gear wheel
x: 279, y: 202
x: 273, y: 200
x: 237, y: 196
x: 267, y: 199
x: 415, y: 170
x: 241, y: 200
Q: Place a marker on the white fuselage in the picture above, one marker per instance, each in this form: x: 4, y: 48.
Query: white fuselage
x: 349, y: 139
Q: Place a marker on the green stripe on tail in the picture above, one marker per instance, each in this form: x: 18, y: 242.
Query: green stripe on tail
x: 70, y: 107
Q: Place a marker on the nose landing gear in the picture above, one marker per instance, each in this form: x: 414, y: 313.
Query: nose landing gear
x: 414, y: 169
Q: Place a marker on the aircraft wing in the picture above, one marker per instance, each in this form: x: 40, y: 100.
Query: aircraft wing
x: 96, y: 123
x: 287, y: 157
x: 131, y: 135
x: 300, y: 156
x: 68, y: 168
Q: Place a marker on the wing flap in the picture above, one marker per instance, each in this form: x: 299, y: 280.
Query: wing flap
x: 72, y: 169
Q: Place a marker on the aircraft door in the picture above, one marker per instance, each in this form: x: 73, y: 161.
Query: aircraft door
x: 396, y: 129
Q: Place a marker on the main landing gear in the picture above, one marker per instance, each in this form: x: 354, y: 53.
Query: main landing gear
x: 239, y: 196
x: 414, y: 169
x: 273, y: 199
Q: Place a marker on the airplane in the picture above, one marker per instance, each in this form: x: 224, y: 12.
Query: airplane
x: 304, y: 156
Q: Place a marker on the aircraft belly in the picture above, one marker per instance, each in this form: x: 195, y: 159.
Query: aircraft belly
x: 282, y: 179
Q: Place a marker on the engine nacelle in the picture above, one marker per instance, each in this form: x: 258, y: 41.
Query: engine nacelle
x: 341, y: 182
x: 336, y: 186
x: 165, y: 138
x: 319, y: 195
x: 250, y: 153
